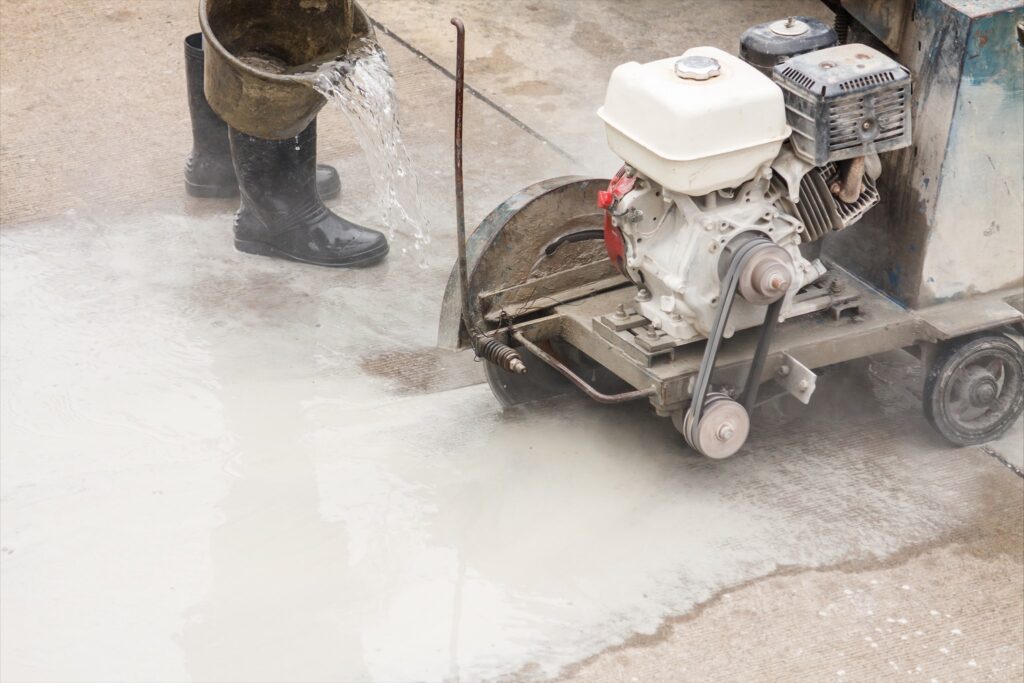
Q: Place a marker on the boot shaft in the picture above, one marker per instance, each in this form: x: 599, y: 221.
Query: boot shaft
x: 278, y: 178
x: 282, y: 213
x: 209, y: 132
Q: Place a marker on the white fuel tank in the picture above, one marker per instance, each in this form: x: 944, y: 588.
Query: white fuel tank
x: 694, y: 136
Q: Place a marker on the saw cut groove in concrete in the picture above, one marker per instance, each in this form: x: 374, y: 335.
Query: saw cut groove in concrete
x: 473, y: 91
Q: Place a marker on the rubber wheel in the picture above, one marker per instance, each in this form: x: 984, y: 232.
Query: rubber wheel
x: 974, y: 389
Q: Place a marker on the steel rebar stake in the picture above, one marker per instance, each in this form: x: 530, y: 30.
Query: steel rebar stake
x: 460, y: 210
x: 490, y: 349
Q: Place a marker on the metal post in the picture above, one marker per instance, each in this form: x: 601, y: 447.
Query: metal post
x: 460, y: 208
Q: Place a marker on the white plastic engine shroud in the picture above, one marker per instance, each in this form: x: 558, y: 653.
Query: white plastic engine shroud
x: 694, y: 136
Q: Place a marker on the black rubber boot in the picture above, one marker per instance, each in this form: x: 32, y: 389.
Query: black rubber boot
x: 282, y: 215
x: 208, y: 170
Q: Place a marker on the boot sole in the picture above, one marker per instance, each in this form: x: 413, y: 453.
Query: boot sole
x: 264, y: 249
x: 210, y: 191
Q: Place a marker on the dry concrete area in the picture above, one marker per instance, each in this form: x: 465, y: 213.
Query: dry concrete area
x: 218, y: 467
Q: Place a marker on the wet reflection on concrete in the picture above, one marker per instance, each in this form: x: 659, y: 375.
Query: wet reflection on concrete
x: 201, y: 472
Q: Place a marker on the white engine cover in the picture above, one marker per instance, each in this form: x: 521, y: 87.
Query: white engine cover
x: 674, y: 245
x: 691, y: 136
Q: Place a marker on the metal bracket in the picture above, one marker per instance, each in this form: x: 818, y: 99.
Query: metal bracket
x: 624, y: 319
x: 581, y: 383
x: 796, y: 378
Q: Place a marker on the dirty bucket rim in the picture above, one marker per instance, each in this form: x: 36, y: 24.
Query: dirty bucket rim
x: 208, y: 35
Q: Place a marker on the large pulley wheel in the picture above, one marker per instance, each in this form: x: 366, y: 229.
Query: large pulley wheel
x: 722, y: 429
x: 974, y: 389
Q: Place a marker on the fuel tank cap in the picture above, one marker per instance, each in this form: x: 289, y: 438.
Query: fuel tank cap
x: 697, y: 67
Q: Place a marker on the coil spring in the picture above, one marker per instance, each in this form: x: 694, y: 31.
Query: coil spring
x: 501, y: 354
x: 842, y: 25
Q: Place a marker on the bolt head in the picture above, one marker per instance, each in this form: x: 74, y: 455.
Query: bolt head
x: 725, y: 432
x: 803, y: 385
x: 790, y: 26
x: 784, y: 370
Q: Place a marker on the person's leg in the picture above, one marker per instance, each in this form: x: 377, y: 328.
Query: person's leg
x: 282, y: 214
x: 208, y: 170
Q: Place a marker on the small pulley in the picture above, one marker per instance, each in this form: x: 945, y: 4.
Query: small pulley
x: 722, y: 429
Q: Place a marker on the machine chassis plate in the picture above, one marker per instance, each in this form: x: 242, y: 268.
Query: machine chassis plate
x: 814, y: 340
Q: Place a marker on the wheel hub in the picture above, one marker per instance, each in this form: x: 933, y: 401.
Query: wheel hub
x: 974, y: 390
x: 983, y: 388
x: 984, y: 393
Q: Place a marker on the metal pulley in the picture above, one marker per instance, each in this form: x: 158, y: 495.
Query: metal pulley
x: 723, y: 428
x: 767, y: 276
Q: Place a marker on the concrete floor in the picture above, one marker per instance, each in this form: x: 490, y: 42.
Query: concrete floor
x: 218, y: 467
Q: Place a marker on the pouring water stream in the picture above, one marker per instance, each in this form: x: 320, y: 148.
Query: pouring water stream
x: 362, y: 86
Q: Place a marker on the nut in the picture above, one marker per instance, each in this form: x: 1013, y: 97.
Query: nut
x: 725, y: 432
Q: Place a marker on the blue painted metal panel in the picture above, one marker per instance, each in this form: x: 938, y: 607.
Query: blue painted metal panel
x: 952, y: 218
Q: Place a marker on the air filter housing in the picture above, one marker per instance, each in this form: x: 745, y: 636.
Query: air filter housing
x: 765, y: 45
x: 844, y: 102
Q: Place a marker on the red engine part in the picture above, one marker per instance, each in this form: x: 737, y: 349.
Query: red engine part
x: 613, y: 241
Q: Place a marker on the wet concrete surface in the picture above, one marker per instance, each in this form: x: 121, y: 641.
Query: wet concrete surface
x: 217, y: 467
x: 199, y: 470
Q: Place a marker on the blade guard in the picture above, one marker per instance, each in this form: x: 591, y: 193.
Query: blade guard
x: 503, y: 250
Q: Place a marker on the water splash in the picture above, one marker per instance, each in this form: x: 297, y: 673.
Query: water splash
x: 362, y: 86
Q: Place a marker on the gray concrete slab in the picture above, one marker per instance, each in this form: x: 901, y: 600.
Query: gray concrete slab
x: 198, y: 467
x: 547, y: 63
x: 221, y: 467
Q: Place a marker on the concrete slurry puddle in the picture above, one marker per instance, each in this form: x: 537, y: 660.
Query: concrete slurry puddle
x: 203, y: 480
